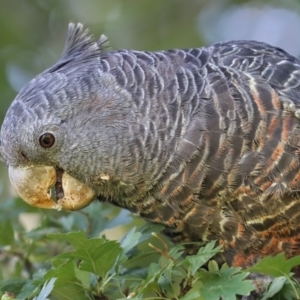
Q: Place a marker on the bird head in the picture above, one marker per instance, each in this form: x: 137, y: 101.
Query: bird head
x: 60, y: 131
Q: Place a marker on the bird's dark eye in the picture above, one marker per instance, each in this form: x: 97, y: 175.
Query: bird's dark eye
x: 47, y: 140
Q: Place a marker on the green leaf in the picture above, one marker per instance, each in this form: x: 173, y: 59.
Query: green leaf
x: 67, y: 286
x: 213, y: 266
x: 109, y: 217
x: 84, y: 277
x: 275, y: 286
x: 30, y: 289
x: 202, y: 257
x: 97, y: 255
x: 12, y: 285
x: 60, y: 259
x: 176, y: 252
x: 7, y: 228
x: 225, y: 284
x: 122, y: 218
x: 289, y: 291
x: 150, y: 283
x: 276, y: 266
x: 131, y: 298
x: 195, y: 295
x: 130, y: 240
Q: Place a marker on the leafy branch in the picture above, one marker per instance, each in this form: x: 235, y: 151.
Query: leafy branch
x: 64, y: 258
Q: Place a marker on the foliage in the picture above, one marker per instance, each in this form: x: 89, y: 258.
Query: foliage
x: 64, y: 258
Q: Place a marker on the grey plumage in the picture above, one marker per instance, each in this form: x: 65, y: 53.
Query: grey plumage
x: 204, y: 141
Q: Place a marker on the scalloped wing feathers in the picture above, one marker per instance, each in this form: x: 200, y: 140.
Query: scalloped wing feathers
x: 205, y: 141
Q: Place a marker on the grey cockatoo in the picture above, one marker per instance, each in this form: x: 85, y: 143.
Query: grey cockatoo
x: 205, y: 141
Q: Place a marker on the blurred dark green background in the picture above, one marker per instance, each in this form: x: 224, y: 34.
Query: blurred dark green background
x: 32, y: 32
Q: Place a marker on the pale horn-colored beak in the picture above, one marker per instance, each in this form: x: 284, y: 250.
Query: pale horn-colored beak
x: 33, y: 184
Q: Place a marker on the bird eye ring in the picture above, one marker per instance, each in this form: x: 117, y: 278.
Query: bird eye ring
x: 47, y: 140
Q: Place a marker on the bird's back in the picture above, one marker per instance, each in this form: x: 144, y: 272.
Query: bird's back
x: 218, y: 133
